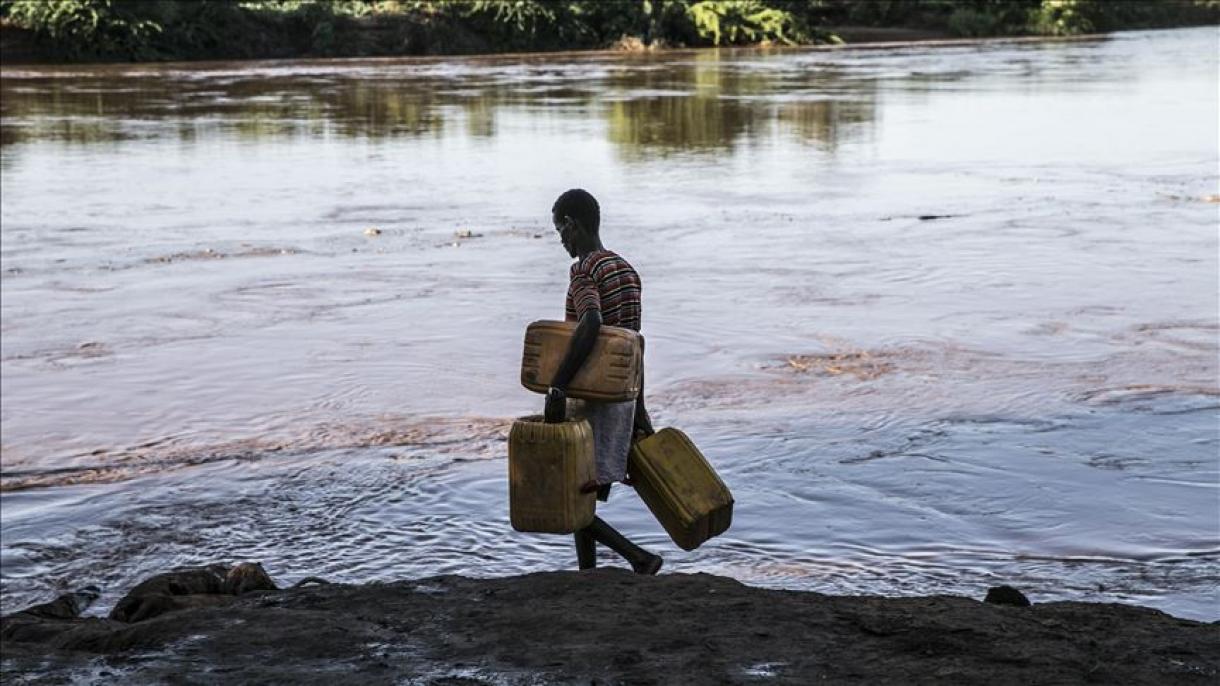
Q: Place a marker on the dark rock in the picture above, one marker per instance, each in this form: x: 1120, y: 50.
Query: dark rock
x: 66, y: 606
x: 1006, y: 595
x: 191, y: 587
x: 617, y: 627
x: 245, y: 577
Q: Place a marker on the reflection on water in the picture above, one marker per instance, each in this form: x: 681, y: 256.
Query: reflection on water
x: 682, y: 102
x: 943, y: 318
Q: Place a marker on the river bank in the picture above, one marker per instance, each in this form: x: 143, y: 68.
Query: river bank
x: 71, y: 31
x: 611, y: 626
x: 19, y: 46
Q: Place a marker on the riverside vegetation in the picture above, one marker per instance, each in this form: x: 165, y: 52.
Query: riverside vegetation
x: 141, y: 30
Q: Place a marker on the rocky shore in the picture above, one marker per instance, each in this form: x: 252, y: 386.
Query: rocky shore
x: 610, y: 627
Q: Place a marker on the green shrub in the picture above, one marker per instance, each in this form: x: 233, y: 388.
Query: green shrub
x: 88, y: 28
x: 733, y: 22
x: 516, y: 24
x: 1065, y: 17
x: 1062, y: 18
x: 177, y: 29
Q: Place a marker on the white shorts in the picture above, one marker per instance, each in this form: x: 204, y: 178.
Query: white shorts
x: 612, y: 424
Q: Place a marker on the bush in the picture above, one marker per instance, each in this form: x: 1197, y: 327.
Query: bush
x: 1062, y: 18
x: 178, y: 29
x: 734, y: 22
x: 1066, y: 17
x: 88, y: 28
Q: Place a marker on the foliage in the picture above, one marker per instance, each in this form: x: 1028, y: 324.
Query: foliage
x: 87, y: 26
x: 741, y: 21
x: 972, y: 18
x: 1061, y: 18
x: 995, y: 18
x: 520, y: 24
x: 518, y: 15
x: 176, y: 29
x: 1068, y: 17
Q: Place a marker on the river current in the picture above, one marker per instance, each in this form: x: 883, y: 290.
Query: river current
x: 942, y: 317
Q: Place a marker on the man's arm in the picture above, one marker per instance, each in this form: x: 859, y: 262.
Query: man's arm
x: 578, y: 351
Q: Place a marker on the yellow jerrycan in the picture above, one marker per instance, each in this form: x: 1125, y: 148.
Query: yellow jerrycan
x: 612, y: 372
x: 678, y: 484
x: 547, y: 465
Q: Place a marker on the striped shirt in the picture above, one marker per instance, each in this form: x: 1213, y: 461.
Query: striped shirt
x: 606, y: 282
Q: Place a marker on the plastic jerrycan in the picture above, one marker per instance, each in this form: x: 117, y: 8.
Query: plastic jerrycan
x: 612, y: 372
x: 547, y: 466
x: 680, y: 487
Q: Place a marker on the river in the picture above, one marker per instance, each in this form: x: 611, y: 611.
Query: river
x: 943, y: 317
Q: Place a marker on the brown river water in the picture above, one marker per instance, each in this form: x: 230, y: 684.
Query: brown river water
x: 943, y: 317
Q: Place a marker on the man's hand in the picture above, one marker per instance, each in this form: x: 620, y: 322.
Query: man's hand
x: 556, y: 408
x: 642, y: 423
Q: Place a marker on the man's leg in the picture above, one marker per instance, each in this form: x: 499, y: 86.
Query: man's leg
x: 642, y: 561
x: 586, y: 549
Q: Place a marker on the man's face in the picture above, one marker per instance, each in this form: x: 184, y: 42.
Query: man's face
x: 566, y: 226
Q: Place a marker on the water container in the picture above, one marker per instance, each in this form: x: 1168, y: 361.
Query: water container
x: 612, y: 372
x: 547, y: 465
x: 680, y: 487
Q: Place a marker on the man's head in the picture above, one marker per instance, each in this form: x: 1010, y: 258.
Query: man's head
x: 577, y: 218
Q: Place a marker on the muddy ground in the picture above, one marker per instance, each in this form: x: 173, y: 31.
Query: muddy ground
x: 610, y: 627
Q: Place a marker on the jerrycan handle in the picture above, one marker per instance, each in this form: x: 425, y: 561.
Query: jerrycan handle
x: 556, y: 409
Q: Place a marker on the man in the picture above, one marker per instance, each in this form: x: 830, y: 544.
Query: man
x: 603, y: 289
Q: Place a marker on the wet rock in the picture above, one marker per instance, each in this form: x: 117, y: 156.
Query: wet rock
x: 1006, y: 595
x: 191, y: 587
x: 66, y: 606
x: 617, y: 627
x: 246, y: 577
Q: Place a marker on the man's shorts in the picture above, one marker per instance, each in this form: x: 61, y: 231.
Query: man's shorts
x: 612, y: 425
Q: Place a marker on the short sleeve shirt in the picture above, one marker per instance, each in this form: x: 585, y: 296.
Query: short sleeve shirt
x: 604, y: 281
